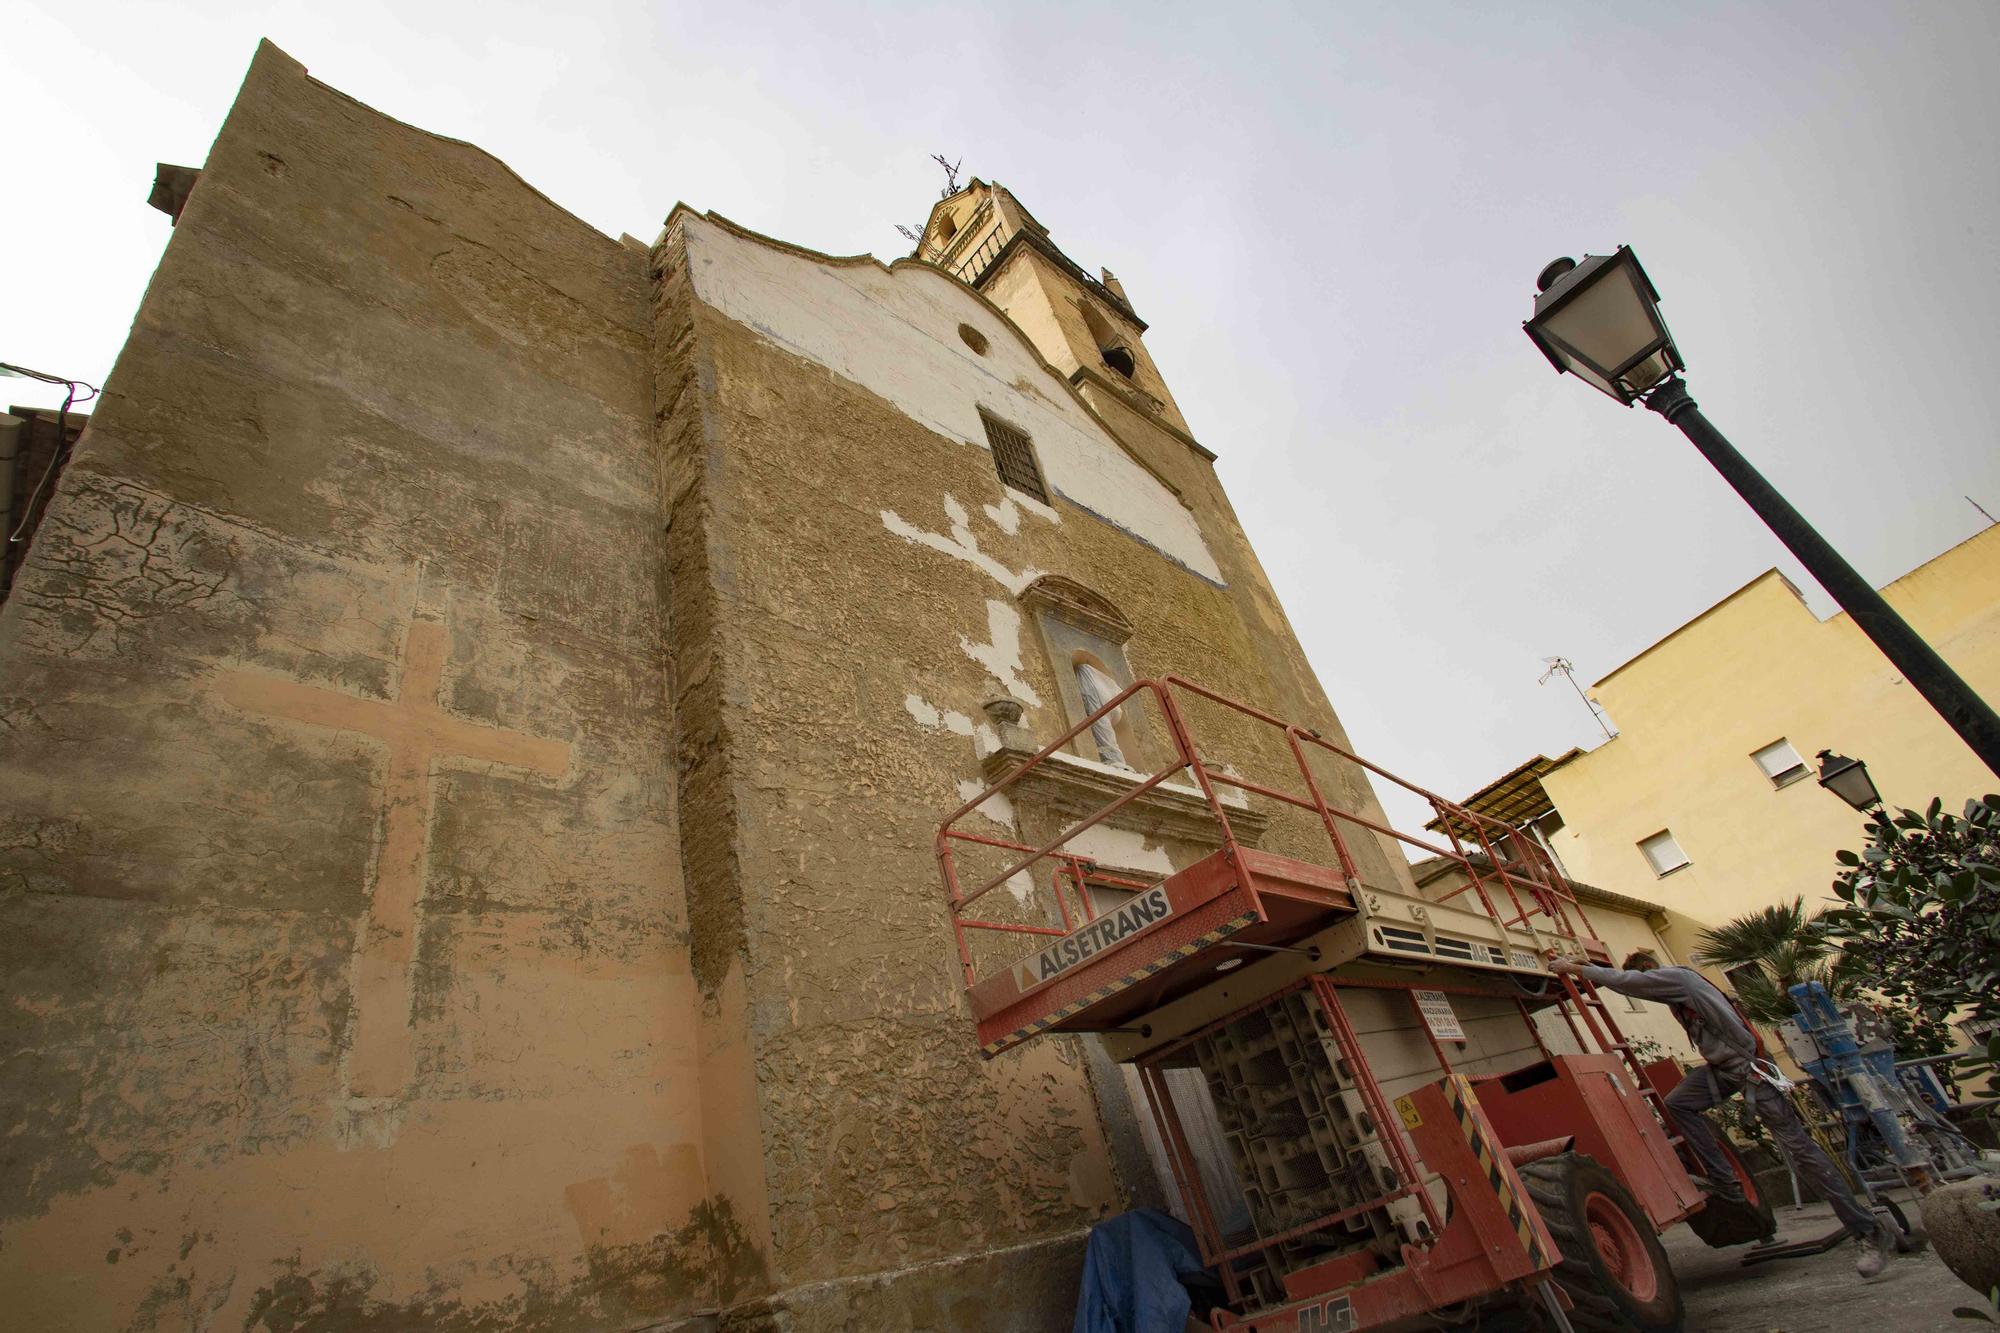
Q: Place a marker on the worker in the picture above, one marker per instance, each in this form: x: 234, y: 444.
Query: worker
x: 1733, y: 1055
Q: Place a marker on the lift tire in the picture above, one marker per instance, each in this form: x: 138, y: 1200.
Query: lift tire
x: 1612, y: 1266
x: 1721, y: 1223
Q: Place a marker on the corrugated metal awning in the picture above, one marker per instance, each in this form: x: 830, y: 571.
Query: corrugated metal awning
x: 1515, y: 798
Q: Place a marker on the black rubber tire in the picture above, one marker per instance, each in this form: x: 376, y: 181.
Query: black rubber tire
x: 1721, y: 1223
x: 1561, y: 1188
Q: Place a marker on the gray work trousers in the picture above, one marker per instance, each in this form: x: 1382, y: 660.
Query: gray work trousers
x: 1709, y: 1086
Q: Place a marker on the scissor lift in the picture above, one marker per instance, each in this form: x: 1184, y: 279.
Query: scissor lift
x: 1547, y: 1179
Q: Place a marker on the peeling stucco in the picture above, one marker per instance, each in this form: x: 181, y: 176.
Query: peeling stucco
x: 1124, y: 848
x: 933, y: 718
x: 1001, y: 653
x: 1006, y: 515
x: 960, y: 543
x: 996, y: 808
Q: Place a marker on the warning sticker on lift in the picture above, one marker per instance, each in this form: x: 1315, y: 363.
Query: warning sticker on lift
x: 1142, y: 911
x: 1438, y: 1015
x: 1408, y: 1110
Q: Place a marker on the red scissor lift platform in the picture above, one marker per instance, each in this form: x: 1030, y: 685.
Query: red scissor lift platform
x: 1158, y: 951
x: 1448, y: 1218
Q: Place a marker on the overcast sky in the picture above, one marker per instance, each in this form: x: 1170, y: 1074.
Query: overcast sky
x: 1331, y: 215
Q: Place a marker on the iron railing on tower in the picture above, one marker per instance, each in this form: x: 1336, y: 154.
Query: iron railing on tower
x: 973, y: 266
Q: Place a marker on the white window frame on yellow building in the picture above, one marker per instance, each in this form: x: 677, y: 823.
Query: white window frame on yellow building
x: 1786, y: 775
x: 1646, y: 846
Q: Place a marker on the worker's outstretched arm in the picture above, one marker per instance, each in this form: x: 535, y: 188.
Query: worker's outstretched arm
x: 1653, y: 985
x: 1659, y: 984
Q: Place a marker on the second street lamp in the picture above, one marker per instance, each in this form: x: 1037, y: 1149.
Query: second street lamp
x: 1848, y: 779
x: 1600, y: 321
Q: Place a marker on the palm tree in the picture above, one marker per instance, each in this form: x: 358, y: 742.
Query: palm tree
x: 1768, y: 952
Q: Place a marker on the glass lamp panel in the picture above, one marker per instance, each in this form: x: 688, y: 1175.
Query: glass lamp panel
x: 1648, y: 372
x: 1607, y: 323
x: 1590, y: 376
x: 1853, y: 786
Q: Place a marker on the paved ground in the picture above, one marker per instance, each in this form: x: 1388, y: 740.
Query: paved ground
x: 1821, y: 1294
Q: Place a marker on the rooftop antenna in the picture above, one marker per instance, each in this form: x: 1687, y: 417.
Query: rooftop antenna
x: 1562, y: 666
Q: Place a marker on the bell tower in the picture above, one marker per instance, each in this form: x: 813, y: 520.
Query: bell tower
x: 1083, y: 326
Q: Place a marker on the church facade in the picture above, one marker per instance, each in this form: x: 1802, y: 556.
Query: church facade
x: 478, y: 710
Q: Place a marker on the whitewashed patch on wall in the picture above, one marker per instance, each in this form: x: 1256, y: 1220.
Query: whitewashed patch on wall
x: 930, y: 717
x: 960, y: 543
x: 1006, y: 515
x: 895, y: 333
x: 995, y: 809
x: 1122, y: 848
x: 1001, y: 655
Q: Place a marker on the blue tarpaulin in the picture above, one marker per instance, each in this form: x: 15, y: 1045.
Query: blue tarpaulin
x: 1132, y: 1268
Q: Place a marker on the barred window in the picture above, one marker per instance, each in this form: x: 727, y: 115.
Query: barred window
x: 1014, y: 457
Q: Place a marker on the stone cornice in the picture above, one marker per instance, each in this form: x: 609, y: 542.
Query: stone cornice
x: 1080, y: 604
x: 1131, y: 398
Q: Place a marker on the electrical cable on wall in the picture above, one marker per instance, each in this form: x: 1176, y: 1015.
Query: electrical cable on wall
x: 62, y: 435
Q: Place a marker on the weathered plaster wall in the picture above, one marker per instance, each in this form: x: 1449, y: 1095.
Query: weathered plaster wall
x: 341, y: 909
x: 858, y: 562
x: 881, y: 1141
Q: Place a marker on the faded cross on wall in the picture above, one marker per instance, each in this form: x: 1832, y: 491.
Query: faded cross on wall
x: 416, y: 733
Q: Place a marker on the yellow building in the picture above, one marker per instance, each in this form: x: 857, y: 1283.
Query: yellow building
x: 1705, y: 801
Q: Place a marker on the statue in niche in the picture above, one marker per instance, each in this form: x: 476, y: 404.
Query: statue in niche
x: 1097, y: 689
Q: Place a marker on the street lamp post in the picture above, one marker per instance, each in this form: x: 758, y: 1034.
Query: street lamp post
x: 1848, y: 779
x: 1600, y: 321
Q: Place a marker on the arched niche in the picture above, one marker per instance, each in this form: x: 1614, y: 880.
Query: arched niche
x: 1083, y: 629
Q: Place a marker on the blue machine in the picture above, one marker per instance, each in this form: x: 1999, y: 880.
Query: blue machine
x: 1894, y: 1115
